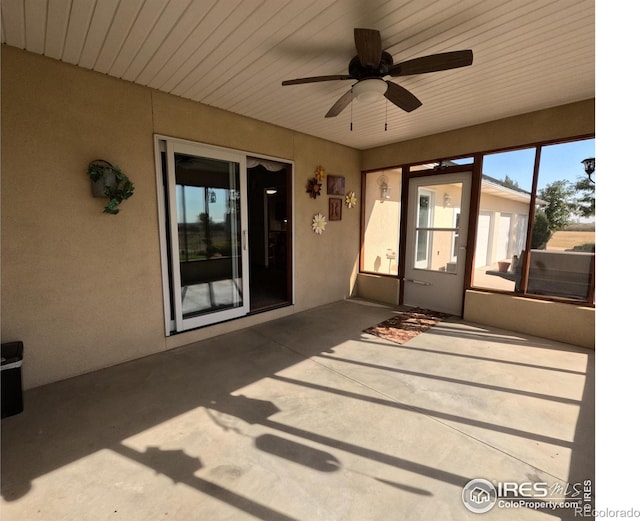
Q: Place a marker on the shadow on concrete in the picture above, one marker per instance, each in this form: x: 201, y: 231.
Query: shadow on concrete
x: 251, y: 411
x: 181, y: 468
x: 298, y: 453
x: 69, y: 420
x: 430, y: 412
x: 455, y: 381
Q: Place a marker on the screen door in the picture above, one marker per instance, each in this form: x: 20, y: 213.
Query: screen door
x: 437, y: 221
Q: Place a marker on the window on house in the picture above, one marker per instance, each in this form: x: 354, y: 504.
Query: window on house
x: 381, y: 224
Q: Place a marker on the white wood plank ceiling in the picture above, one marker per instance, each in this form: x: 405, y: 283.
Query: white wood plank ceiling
x: 234, y: 54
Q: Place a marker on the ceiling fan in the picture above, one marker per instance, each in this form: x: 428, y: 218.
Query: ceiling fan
x: 372, y: 64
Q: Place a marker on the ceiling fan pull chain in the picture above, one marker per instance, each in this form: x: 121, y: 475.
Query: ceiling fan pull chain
x: 386, y: 110
x: 351, y: 109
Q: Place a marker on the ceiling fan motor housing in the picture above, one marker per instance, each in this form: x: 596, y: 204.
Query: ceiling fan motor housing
x: 359, y: 71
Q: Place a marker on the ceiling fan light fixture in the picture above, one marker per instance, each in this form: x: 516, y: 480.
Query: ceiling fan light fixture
x: 369, y: 90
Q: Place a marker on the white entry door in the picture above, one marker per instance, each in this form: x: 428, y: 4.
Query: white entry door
x: 437, y: 223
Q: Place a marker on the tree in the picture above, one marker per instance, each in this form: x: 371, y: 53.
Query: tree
x: 510, y: 182
x: 560, y: 196
x: 205, y: 219
x: 541, y: 232
x: 585, y: 202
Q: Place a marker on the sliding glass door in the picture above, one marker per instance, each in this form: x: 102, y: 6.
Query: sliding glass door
x: 207, y: 240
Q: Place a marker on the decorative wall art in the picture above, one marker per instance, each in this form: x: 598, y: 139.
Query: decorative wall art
x: 335, y: 209
x: 319, y: 223
x: 314, y: 184
x: 313, y: 188
x: 335, y: 185
x: 350, y: 200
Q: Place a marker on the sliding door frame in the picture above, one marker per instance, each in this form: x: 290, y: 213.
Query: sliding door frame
x: 168, y: 258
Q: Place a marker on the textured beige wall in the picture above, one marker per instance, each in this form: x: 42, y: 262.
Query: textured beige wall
x: 381, y: 222
x: 566, y: 121
x: 327, y: 264
x: 378, y: 288
x: 80, y: 288
x: 83, y: 289
x: 184, y: 119
x: 557, y: 321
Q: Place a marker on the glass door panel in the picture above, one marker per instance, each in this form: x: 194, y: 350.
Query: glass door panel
x: 208, y: 235
x: 437, y: 227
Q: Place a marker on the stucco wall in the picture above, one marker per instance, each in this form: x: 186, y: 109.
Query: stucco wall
x: 378, y: 288
x: 381, y: 222
x: 566, y: 121
x: 554, y: 320
x: 83, y: 289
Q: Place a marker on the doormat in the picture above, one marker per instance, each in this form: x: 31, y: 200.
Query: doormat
x: 406, y: 325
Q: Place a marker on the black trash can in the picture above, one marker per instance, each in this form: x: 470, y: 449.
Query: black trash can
x: 11, y: 378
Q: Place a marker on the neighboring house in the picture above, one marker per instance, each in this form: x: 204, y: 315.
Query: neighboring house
x: 502, y: 222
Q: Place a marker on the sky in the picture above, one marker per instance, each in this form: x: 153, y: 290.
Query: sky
x: 194, y: 202
x: 557, y: 162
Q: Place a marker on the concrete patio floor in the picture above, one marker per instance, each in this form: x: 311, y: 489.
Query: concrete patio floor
x: 306, y: 418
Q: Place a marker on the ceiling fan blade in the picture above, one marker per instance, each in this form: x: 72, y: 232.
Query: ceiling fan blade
x: 340, y: 105
x: 369, y: 46
x: 401, y: 97
x: 314, y: 79
x: 435, y: 62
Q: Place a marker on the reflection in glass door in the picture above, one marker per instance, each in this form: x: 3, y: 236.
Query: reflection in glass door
x: 207, y: 239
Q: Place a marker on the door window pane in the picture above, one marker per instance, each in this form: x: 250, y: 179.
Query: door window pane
x: 209, y: 242
x: 434, y: 250
x: 436, y: 227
